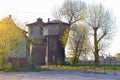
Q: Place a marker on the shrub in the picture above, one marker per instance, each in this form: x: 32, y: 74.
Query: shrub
x: 5, y: 66
x: 71, y: 61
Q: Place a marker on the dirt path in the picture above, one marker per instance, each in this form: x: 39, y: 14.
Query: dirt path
x: 57, y: 75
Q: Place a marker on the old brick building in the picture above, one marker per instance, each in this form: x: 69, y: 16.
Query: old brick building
x: 45, y: 45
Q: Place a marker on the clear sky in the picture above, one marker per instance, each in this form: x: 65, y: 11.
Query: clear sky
x: 26, y: 11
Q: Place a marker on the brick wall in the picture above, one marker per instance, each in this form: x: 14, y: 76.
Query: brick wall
x: 22, y: 62
x: 38, y: 54
x: 55, y: 52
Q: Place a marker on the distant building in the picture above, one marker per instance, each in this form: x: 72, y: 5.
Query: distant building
x: 46, y: 47
x: 101, y: 58
x: 110, y: 59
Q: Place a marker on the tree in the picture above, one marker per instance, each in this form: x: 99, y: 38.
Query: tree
x: 64, y: 37
x: 71, y: 10
x: 118, y: 56
x: 78, y: 42
x: 11, y: 37
x: 100, y: 22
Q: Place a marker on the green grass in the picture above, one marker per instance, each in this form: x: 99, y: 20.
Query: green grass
x: 66, y: 67
x: 111, y: 67
x: 25, y: 70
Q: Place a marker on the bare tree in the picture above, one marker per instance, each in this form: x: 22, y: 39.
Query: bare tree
x: 71, y: 10
x: 57, y: 14
x: 100, y: 21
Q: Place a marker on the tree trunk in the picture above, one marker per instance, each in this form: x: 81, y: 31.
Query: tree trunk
x: 63, y: 57
x: 96, y: 52
x: 74, y: 60
x: 96, y: 61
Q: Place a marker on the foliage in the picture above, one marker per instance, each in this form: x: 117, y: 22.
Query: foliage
x: 118, y: 56
x: 65, y: 36
x: 34, y: 41
x: 10, y: 38
x: 78, y: 42
x: 71, y: 61
x: 6, y: 66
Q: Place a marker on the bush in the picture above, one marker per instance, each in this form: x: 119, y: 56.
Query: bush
x: 71, y: 62
x: 5, y: 66
x: 15, y: 64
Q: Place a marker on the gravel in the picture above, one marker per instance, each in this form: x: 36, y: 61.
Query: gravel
x: 59, y: 75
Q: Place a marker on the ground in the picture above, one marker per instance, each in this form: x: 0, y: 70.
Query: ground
x: 58, y: 75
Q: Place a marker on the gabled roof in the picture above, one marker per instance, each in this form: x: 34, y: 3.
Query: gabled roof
x: 8, y: 21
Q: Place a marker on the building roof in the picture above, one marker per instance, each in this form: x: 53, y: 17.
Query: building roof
x: 55, y: 22
x: 39, y: 21
x: 8, y: 21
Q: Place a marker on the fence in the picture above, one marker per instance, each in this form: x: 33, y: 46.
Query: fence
x: 107, y: 63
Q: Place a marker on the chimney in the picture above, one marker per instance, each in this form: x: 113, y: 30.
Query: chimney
x: 39, y: 20
x: 10, y: 16
x: 48, y: 20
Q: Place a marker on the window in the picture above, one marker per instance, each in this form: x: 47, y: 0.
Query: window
x: 41, y: 30
x: 30, y: 30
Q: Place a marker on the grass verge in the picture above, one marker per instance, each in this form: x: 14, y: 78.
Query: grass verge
x: 25, y: 70
x: 67, y: 67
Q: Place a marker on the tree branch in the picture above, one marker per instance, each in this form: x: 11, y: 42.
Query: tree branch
x: 101, y: 37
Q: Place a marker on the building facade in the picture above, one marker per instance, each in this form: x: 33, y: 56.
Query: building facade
x: 45, y: 45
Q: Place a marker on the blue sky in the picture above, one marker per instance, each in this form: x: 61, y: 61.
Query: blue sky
x: 26, y: 11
